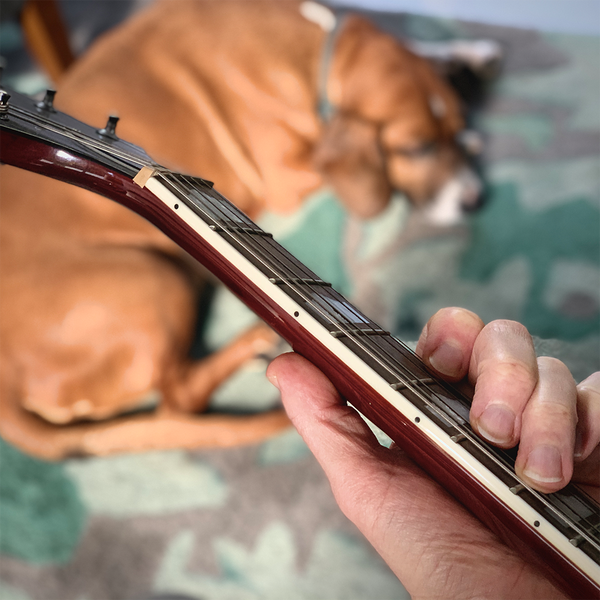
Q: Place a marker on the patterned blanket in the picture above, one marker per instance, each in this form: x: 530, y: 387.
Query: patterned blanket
x: 260, y: 522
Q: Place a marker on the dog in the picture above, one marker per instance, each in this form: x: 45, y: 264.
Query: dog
x: 271, y: 100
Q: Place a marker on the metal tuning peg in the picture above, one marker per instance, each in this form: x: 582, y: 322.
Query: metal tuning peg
x: 4, y: 97
x: 47, y: 103
x: 109, y: 129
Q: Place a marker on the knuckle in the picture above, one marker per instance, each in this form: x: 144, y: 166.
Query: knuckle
x: 591, y: 384
x: 514, y: 372
x: 504, y: 326
x: 557, y: 385
x: 558, y: 413
x: 453, y: 313
x: 553, y: 365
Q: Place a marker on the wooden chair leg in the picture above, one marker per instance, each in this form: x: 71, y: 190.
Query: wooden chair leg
x: 46, y: 36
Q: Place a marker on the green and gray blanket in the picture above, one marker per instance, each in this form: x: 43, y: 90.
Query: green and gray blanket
x: 260, y: 523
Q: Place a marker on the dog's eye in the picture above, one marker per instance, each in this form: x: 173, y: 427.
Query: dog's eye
x: 421, y: 151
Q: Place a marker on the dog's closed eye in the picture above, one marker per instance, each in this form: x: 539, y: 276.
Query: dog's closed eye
x: 425, y: 150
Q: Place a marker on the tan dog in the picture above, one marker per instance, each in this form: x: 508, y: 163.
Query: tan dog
x: 98, y: 306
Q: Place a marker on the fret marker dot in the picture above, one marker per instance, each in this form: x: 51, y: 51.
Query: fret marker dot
x: 417, y: 419
x: 176, y: 206
x: 536, y: 523
x: 296, y: 314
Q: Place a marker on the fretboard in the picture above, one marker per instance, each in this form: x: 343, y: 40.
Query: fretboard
x: 571, y: 511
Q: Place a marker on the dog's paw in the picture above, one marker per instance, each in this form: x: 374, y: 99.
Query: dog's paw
x: 262, y: 341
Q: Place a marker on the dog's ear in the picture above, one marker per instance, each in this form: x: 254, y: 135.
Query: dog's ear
x: 350, y: 159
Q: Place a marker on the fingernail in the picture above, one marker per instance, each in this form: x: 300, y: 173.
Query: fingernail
x: 273, y: 379
x: 447, y: 358
x: 497, y: 424
x: 544, y: 464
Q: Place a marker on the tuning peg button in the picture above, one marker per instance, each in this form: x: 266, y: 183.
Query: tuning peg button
x: 4, y: 97
x: 48, y: 102
x: 109, y: 129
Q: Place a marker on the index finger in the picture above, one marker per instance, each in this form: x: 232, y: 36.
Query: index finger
x: 447, y: 341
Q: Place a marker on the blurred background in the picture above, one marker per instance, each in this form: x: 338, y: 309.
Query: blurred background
x: 260, y: 522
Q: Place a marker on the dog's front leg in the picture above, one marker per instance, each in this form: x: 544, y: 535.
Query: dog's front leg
x: 188, y: 389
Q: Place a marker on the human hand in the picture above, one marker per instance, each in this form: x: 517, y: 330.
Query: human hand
x: 435, y: 546
x: 520, y: 398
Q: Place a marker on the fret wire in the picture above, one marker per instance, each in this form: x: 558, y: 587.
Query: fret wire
x: 219, y: 209
x: 279, y: 268
x: 275, y: 251
x: 595, y: 527
x: 466, y: 430
x: 285, y: 270
x: 278, y: 260
x: 411, y: 370
x: 554, y: 504
x: 360, y: 343
x: 407, y: 374
x: 316, y: 294
x: 299, y: 280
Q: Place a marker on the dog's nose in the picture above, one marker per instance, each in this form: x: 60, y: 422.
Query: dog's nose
x: 474, y: 203
x: 472, y: 197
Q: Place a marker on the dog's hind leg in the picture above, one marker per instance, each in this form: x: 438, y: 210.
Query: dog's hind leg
x: 176, y: 430
x: 139, y: 433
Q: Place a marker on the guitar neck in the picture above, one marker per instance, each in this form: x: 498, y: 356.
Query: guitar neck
x: 376, y: 373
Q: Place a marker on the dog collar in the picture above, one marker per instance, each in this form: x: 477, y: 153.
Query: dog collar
x: 325, y: 107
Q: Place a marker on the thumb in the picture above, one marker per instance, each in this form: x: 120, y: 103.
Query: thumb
x: 428, y: 540
x: 378, y: 489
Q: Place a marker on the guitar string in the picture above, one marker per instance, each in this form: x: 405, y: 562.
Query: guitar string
x: 72, y: 134
x: 577, y: 527
x: 102, y: 147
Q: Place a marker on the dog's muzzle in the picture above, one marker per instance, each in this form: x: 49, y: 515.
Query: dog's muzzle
x: 459, y: 195
x: 462, y: 193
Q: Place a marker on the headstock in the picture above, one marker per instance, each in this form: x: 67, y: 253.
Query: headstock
x: 40, y: 121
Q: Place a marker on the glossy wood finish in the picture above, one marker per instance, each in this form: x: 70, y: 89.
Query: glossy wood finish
x: 40, y: 158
